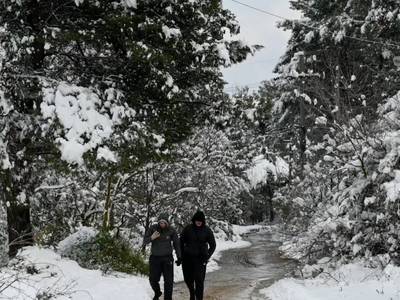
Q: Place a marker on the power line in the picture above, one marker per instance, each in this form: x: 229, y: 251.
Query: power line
x: 274, y: 15
x: 257, y: 62
x: 257, y: 84
x: 312, y: 27
x: 232, y: 88
x: 263, y: 11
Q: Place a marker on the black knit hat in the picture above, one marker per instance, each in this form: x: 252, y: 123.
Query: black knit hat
x: 199, y: 216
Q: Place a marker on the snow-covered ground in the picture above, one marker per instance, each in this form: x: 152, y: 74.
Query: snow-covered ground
x: 353, y: 282
x: 65, y: 279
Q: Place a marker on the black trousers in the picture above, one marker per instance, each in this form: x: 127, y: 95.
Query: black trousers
x: 162, y: 265
x: 194, y: 273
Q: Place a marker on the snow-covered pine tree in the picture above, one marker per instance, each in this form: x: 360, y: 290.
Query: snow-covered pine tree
x: 344, y: 201
x: 134, y: 66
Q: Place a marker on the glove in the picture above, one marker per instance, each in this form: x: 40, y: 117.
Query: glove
x: 178, y: 262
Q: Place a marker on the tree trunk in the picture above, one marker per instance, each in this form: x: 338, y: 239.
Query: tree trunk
x: 108, y: 214
x: 19, y: 227
x: 18, y: 215
x: 303, y: 130
x: 146, y: 226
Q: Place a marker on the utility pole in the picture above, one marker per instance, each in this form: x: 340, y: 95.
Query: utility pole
x: 302, y: 70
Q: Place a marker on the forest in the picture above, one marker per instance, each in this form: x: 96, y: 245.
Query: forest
x: 113, y: 111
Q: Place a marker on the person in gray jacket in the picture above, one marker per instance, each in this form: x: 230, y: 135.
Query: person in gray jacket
x: 162, y: 236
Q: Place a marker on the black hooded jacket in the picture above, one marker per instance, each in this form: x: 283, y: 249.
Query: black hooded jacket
x: 161, y: 246
x: 197, y: 242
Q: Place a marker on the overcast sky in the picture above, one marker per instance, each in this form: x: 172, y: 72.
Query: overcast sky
x: 258, y: 28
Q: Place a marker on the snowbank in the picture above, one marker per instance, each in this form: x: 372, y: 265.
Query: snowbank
x: 351, y: 281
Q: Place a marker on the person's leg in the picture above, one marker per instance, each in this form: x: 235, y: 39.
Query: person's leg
x: 199, y: 276
x: 155, y: 275
x: 188, y: 275
x: 168, y: 274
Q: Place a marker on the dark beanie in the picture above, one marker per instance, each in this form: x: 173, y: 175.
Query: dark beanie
x: 199, y: 216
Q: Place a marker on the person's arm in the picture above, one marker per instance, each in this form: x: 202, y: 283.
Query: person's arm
x: 177, y: 246
x: 211, y: 242
x: 182, y: 241
x: 147, y: 237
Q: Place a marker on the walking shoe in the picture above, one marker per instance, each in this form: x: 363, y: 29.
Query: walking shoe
x: 157, y: 296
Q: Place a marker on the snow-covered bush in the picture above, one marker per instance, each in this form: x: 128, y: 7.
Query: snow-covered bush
x: 96, y: 250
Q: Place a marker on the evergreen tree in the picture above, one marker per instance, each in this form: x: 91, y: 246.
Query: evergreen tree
x: 144, y: 69
x: 342, y: 205
x: 340, y: 54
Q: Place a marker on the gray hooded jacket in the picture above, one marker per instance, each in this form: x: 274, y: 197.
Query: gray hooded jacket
x: 161, y: 246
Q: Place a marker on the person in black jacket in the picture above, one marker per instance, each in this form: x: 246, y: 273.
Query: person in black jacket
x: 161, y: 235
x: 197, y: 245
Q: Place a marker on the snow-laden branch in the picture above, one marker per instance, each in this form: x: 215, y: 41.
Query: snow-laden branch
x: 187, y: 189
x: 53, y: 187
x: 87, y: 118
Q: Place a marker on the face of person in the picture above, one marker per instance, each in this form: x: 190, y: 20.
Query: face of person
x: 198, y: 223
x: 162, y: 224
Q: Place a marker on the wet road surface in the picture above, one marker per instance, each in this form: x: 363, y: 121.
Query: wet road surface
x: 243, y: 272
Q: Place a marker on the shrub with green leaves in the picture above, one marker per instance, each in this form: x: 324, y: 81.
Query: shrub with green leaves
x: 107, y: 253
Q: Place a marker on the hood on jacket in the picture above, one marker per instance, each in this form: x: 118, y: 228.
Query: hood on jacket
x: 163, y: 217
x: 199, y: 216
